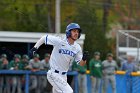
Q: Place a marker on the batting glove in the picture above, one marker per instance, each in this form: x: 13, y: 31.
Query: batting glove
x: 85, y: 55
x: 33, y: 51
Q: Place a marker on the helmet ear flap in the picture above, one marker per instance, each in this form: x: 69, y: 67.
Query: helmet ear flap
x: 68, y: 33
x: 79, y: 35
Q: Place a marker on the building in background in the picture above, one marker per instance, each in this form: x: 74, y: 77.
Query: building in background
x: 20, y: 42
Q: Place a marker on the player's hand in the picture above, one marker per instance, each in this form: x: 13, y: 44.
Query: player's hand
x: 85, y: 55
x: 32, y: 52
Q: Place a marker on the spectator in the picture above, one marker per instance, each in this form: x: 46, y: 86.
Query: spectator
x: 129, y: 65
x: 45, y: 62
x: 45, y: 85
x: 95, y: 66
x: 34, y: 65
x: 109, y: 67
x: 4, y: 80
x: 16, y: 80
x: 3, y: 62
x: 81, y: 77
x: 25, y: 62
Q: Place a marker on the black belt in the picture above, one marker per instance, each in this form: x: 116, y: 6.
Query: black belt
x: 63, y: 73
x: 110, y: 73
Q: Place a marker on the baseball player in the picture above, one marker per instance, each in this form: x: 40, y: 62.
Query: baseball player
x: 109, y: 66
x: 34, y: 65
x: 64, y: 52
x: 95, y: 66
x: 44, y: 85
x: 16, y: 79
x: 4, y: 79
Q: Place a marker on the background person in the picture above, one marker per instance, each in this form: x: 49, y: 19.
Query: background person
x: 16, y: 80
x: 4, y: 79
x: 45, y: 66
x: 109, y: 67
x: 35, y: 65
x: 129, y: 66
x: 82, y: 77
x: 25, y: 62
x: 95, y: 67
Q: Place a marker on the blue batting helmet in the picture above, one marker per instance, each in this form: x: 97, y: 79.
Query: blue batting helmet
x: 72, y: 26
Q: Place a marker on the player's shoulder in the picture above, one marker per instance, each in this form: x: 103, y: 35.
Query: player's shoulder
x: 77, y: 45
x: 31, y: 61
x: 57, y: 37
x: 104, y: 62
x: 42, y: 61
x: 114, y: 61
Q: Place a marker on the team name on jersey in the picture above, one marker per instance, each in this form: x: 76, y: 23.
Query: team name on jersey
x: 67, y: 52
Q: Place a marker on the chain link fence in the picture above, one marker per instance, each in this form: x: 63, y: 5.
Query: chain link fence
x: 128, y: 43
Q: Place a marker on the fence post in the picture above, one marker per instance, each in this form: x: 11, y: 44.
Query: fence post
x: 76, y: 83
x: 27, y: 82
x: 88, y: 84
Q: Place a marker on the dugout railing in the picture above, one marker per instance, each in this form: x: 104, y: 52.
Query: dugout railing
x: 124, y: 83
x: 27, y: 73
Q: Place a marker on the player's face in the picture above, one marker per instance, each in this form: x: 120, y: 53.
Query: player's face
x: 74, y: 34
x: 36, y: 59
x: 25, y: 60
x: 17, y: 59
x: 110, y: 58
x: 97, y: 57
x: 47, y: 59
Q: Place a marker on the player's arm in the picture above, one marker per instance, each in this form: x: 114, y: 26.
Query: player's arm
x: 37, y: 45
x: 47, y: 39
x: 82, y: 63
x: 84, y: 58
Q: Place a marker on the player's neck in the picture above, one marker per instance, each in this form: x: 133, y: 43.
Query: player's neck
x: 71, y: 41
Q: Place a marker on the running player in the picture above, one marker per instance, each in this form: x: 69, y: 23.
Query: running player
x: 64, y: 52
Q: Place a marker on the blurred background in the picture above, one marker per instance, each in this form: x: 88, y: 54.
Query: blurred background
x: 99, y: 19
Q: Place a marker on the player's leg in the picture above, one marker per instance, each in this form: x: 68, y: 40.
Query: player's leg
x: 8, y: 84
x: 33, y: 81
x: 105, y: 83
x: 14, y: 84
x: 1, y: 84
x: 94, y: 84
x: 66, y: 89
x: 98, y: 84
x: 79, y: 83
x: 19, y: 84
x: 59, y: 83
x: 84, y: 84
x: 56, y: 90
x: 113, y: 83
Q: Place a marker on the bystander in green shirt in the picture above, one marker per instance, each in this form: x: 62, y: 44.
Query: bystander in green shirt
x: 95, y: 67
x: 25, y: 62
x: 80, y: 69
x: 16, y: 65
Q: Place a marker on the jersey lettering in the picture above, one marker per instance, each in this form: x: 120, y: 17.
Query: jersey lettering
x: 67, y: 52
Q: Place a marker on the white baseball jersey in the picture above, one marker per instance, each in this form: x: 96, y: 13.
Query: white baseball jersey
x: 63, y: 53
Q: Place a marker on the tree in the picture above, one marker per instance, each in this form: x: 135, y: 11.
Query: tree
x: 92, y: 27
x: 26, y: 15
